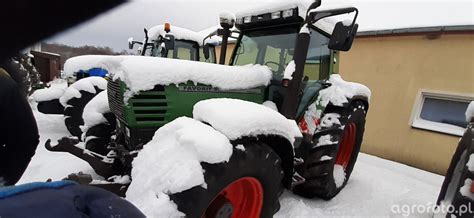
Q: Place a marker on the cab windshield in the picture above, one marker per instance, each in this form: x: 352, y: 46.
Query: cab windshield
x: 274, y: 48
x: 184, y: 50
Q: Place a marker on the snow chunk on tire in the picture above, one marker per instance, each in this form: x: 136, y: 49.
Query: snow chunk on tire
x: 340, y: 91
x: 94, y: 111
x: 87, y: 84
x: 170, y: 163
x: 237, y: 118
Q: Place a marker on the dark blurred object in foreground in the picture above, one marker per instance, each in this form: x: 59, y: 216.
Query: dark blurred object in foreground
x: 25, y: 22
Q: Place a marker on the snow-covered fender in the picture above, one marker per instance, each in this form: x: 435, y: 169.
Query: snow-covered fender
x: 243, y: 121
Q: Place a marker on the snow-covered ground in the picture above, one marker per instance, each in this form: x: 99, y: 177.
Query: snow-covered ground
x: 376, y: 188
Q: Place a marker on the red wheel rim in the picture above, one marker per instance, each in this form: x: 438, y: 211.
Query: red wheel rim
x: 245, y: 195
x: 347, y: 145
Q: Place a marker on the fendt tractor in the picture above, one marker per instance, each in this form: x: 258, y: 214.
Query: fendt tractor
x: 330, y: 114
x: 160, y: 41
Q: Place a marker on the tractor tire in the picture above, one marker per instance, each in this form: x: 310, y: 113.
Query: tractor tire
x: 328, y: 165
x: 73, y: 112
x: 249, y: 185
x: 458, y: 176
x: 99, y: 136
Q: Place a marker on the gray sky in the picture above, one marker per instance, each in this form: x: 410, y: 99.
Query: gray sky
x: 116, y: 26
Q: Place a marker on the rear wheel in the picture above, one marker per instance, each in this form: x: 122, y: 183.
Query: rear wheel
x: 73, y: 112
x: 247, y: 186
x: 332, y: 153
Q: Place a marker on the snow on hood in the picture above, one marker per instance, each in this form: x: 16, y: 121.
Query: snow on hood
x: 170, y: 163
x: 470, y: 112
x: 237, y: 118
x: 180, y: 33
x: 143, y: 73
x: 340, y: 91
x: 87, y: 84
x: 94, y: 111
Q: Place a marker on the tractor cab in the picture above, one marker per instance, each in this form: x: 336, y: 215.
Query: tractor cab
x: 176, y: 43
x: 300, y: 45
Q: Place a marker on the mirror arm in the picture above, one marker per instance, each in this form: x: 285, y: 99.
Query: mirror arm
x: 145, y: 42
x: 318, y: 15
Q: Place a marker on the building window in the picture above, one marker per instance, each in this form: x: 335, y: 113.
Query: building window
x: 441, y: 112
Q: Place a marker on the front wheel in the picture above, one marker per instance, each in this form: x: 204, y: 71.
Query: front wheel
x: 333, y: 152
x: 247, y: 186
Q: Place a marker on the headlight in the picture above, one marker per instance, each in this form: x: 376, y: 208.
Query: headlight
x: 276, y: 15
x: 247, y: 19
x: 288, y: 13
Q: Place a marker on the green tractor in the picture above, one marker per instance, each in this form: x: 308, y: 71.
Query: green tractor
x: 175, y: 42
x: 160, y: 41
x: 301, y: 52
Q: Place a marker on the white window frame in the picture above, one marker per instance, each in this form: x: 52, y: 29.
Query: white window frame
x: 417, y: 122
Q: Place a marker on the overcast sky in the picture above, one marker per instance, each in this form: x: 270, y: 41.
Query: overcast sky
x: 114, y: 27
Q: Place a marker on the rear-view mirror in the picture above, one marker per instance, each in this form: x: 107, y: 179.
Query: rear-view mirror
x: 169, y: 42
x: 205, y: 50
x: 342, y: 36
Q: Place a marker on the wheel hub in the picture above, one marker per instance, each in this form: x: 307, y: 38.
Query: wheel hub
x: 346, y: 146
x: 242, y: 198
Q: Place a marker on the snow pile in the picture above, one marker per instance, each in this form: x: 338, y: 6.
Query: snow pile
x: 289, y: 70
x: 274, y: 6
x: 237, y: 118
x: 329, y: 120
x: 240, y: 147
x: 466, y: 189
x: 470, y: 112
x: 179, y: 33
x: 47, y: 94
x: 227, y: 18
x: 87, y: 84
x: 470, y: 163
x: 143, y: 73
x: 340, y: 91
x: 271, y: 105
x: 324, y: 140
x: 325, y: 157
x: 94, y: 111
x: 170, y: 163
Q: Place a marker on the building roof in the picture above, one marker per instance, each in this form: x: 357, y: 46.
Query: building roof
x: 415, y: 30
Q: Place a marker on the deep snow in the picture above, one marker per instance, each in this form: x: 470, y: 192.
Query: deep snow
x: 374, y: 187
